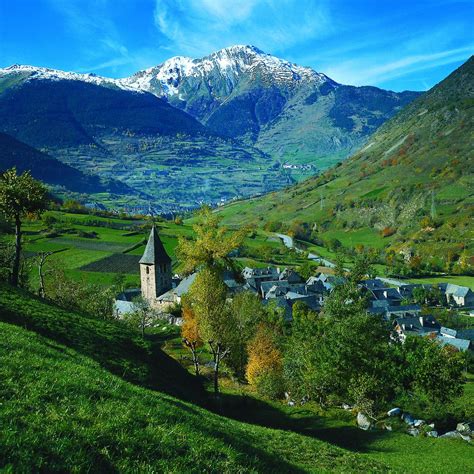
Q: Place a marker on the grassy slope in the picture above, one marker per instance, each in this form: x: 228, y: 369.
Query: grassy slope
x: 63, y: 410
x: 426, y: 147
x: 396, y: 449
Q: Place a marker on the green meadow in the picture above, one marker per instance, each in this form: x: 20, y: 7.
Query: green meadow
x: 88, y: 250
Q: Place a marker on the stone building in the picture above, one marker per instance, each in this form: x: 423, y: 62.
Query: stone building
x: 155, y: 270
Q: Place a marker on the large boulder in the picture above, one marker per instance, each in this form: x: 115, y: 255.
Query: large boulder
x: 432, y: 434
x: 408, y: 419
x: 451, y: 434
x: 394, y: 412
x: 363, y: 421
x: 465, y: 428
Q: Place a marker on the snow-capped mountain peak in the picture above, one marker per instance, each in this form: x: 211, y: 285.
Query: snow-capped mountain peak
x: 220, y: 72
x: 228, y: 64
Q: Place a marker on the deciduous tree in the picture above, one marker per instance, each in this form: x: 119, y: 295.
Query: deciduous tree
x: 247, y: 312
x: 265, y: 363
x: 207, y: 296
x: 190, y: 333
x: 435, y: 372
x: 20, y: 195
x: 212, y: 245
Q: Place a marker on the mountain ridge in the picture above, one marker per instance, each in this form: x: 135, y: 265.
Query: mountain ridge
x: 246, y: 115
x: 23, y: 157
x: 409, y: 189
x: 291, y: 112
x: 133, y: 137
x: 244, y: 93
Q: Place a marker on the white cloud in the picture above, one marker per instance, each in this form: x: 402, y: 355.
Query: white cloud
x: 228, y: 11
x: 363, y: 71
x: 198, y: 27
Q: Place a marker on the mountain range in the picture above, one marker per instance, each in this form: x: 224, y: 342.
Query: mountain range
x: 194, y: 130
x: 410, y: 187
x: 288, y: 111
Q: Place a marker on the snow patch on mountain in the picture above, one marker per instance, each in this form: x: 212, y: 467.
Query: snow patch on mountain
x: 43, y: 73
x: 228, y: 65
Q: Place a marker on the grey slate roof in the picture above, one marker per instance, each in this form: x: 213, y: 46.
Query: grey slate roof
x: 448, y: 331
x: 180, y: 290
x: 466, y: 334
x: 372, y: 284
x: 154, y: 253
x: 457, y: 290
x: 185, y: 284
x: 408, y: 308
x: 386, y: 294
x: 124, y: 307
x: 460, y: 344
x: 420, y: 324
x: 129, y: 294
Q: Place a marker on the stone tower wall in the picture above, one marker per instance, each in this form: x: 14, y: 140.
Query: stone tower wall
x: 155, y: 281
x: 148, y: 282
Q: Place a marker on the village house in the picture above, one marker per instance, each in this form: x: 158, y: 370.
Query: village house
x: 416, y: 326
x: 380, y: 296
x: 427, y: 326
x: 284, y: 287
x: 459, y: 295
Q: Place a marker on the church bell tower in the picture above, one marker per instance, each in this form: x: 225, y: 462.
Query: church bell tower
x: 155, y: 268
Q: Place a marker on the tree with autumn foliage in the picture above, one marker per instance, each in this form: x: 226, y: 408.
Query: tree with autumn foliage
x: 207, y: 296
x: 190, y: 333
x: 265, y: 363
x: 209, y: 254
x: 211, y: 246
x: 247, y: 312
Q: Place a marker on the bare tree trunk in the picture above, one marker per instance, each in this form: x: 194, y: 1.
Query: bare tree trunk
x: 42, y: 288
x: 218, y: 354
x: 16, y: 261
x: 192, y: 345
x: 41, y: 291
x: 216, y: 370
x: 195, y: 358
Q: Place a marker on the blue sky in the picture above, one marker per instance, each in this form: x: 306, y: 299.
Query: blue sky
x: 392, y: 44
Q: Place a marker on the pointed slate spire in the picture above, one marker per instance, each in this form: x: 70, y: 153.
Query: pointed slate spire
x: 154, y: 253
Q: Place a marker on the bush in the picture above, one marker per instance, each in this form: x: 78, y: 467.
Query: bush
x: 387, y: 231
x: 48, y: 219
x: 270, y: 385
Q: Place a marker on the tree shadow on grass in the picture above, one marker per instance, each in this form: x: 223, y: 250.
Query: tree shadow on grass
x: 299, y: 420
x: 110, y: 343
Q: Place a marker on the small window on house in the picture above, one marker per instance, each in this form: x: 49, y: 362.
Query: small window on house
x: 147, y: 270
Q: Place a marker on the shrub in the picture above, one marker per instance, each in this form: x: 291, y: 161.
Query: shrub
x: 387, y: 231
x: 265, y: 364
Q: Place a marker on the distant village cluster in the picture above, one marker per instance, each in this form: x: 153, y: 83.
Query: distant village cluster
x: 284, y: 287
